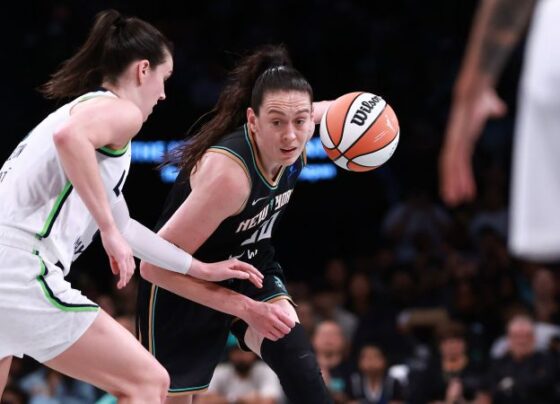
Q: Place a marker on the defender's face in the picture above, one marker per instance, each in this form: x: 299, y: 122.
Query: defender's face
x: 154, y: 85
x: 283, y: 126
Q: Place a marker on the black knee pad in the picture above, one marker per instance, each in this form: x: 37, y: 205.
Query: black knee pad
x: 293, y: 360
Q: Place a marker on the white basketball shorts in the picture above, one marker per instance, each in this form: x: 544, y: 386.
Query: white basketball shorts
x: 40, y: 314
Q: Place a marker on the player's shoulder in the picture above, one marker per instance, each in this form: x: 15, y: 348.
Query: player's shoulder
x: 117, y: 111
x: 223, y: 171
x: 220, y: 182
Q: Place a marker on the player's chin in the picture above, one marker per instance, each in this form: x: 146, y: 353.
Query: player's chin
x: 289, y: 156
x: 147, y: 115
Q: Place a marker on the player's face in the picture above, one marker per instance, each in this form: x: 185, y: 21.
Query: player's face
x: 283, y: 126
x: 153, y: 86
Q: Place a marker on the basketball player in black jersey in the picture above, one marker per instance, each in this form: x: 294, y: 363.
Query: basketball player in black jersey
x: 237, y: 174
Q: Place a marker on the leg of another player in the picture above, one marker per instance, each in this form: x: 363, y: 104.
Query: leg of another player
x: 4, y: 371
x: 109, y: 357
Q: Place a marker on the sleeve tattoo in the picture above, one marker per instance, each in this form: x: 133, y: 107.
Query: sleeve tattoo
x: 506, y: 23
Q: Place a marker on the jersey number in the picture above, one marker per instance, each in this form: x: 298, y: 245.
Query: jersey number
x: 118, y: 188
x: 265, y: 231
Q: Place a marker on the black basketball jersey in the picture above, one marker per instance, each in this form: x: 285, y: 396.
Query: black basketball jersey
x: 246, y: 235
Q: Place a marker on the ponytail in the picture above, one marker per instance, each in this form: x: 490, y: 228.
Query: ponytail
x: 112, y: 44
x: 268, y: 68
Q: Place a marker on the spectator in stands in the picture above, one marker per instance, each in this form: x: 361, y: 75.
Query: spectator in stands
x: 451, y: 376
x: 371, y: 384
x: 523, y: 375
x: 331, y: 348
x: 244, y: 379
x: 415, y: 225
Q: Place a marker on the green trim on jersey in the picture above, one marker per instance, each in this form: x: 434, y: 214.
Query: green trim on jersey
x: 258, y: 170
x: 89, y: 97
x: 47, y: 227
x: 51, y: 297
x: 187, y: 389
x: 152, y: 343
x: 152, y: 340
x: 107, y: 151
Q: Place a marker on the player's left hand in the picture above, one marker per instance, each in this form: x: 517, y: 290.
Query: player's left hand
x: 468, y: 117
x: 220, y: 271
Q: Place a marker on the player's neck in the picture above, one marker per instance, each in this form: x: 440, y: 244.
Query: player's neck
x: 270, y: 169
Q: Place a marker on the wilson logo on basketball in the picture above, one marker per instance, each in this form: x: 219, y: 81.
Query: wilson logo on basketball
x: 362, y: 113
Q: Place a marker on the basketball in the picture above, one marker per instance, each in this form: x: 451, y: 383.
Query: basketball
x: 359, y: 131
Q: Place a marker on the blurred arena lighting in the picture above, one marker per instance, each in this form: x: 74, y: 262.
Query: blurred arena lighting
x: 319, y: 167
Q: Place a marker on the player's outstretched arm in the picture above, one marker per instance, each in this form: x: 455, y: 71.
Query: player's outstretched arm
x: 229, y: 269
x: 497, y: 27
x: 220, y: 188
x: 101, y: 121
x: 269, y: 320
x: 152, y: 248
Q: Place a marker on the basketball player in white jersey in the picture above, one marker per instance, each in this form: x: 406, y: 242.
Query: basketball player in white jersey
x: 61, y: 185
x: 535, y: 197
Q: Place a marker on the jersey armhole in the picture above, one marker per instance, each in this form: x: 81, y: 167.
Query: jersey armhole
x: 105, y: 150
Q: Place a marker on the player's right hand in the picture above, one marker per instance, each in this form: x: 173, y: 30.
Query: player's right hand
x: 269, y: 320
x: 119, y: 253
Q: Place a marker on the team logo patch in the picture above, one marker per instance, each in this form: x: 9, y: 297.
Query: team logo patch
x: 279, y: 284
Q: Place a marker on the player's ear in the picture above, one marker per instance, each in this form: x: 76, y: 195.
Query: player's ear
x: 142, y: 68
x: 251, y: 119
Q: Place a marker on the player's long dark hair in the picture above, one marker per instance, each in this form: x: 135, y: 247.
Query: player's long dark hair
x: 269, y: 68
x: 112, y: 44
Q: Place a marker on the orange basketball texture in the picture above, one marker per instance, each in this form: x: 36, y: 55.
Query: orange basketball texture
x: 359, y: 131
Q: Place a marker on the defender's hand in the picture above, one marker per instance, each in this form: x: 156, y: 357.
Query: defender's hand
x: 220, y: 271
x: 120, y: 255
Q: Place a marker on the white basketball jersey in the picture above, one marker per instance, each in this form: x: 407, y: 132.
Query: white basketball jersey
x: 535, y: 197
x: 37, y: 198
